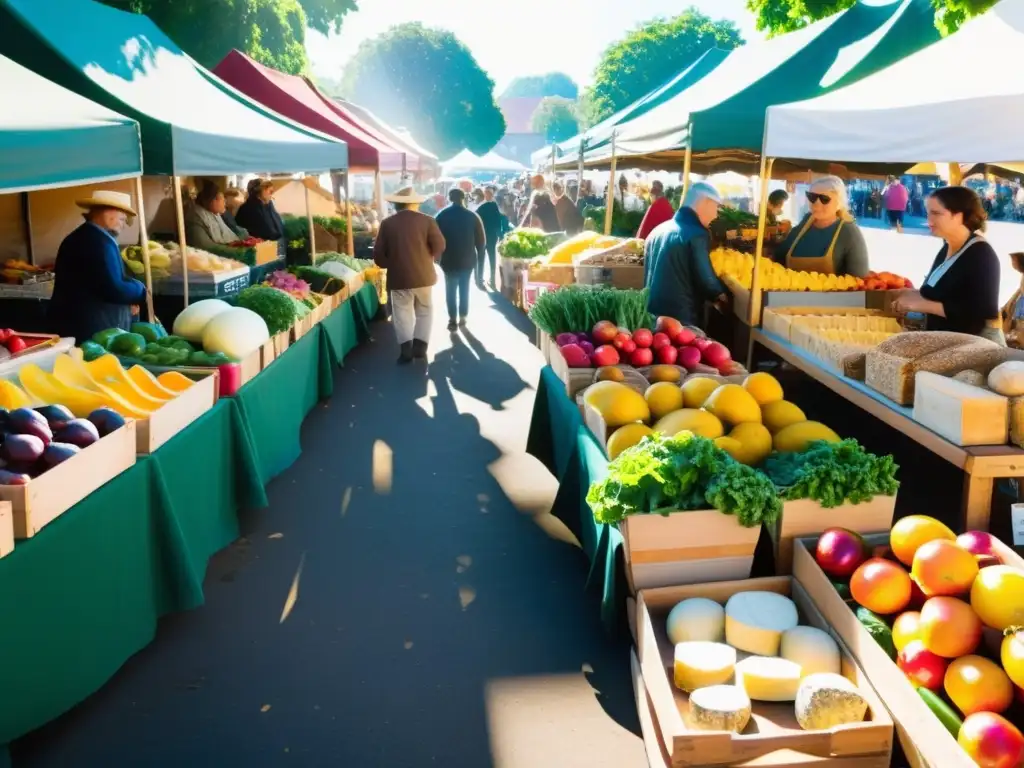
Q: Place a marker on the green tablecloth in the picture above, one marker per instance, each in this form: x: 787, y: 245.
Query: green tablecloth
x: 365, y: 305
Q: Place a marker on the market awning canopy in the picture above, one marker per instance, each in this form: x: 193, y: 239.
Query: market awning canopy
x: 467, y: 162
x: 921, y: 108
x: 417, y: 158
x: 191, y: 122
x: 725, y: 110
x: 298, y: 100
x: 51, y: 137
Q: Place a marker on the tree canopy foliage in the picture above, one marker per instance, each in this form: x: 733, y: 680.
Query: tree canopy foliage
x: 779, y: 16
x: 542, y: 86
x: 427, y: 80
x: 555, y: 117
x: 651, y: 54
x: 271, y: 31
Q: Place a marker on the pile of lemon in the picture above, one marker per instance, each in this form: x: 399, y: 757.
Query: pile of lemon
x: 739, y: 267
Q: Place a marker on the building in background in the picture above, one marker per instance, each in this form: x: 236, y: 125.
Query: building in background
x: 519, y: 141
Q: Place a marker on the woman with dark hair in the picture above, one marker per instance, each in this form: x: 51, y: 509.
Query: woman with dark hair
x: 205, y: 224
x: 542, y: 211
x: 961, y: 292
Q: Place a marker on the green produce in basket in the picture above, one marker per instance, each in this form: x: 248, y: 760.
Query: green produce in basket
x: 104, y: 338
x: 128, y: 344
x: 200, y: 359
x: 91, y: 350
x: 950, y: 720
x: 878, y: 629
x: 277, y: 308
x: 148, y: 359
x: 149, y: 331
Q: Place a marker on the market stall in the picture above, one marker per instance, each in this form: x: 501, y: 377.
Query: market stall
x: 467, y: 163
x: 426, y: 163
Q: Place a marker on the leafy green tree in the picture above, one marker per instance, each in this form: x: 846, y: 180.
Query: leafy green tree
x: 427, y: 79
x: 555, y: 117
x: 651, y: 53
x: 541, y: 86
x: 779, y: 16
x: 271, y: 31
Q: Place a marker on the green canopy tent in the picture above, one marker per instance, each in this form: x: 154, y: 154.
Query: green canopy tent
x: 57, y: 138
x: 719, y: 120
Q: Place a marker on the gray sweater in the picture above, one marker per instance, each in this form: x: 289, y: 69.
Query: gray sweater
x: 850, y: 256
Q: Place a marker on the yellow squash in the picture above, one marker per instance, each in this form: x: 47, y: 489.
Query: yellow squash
x: 174, y: 381
x: 107, y: 372
x: 12, y: 396
x: 147, y: 382
x: 75, y: 373
x: 47, y: 388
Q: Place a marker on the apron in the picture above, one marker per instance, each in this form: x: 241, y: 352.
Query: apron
x: 821, y: 264
x: 993, y: 330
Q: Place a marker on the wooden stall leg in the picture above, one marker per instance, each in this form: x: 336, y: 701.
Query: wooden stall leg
x: 977, y: 506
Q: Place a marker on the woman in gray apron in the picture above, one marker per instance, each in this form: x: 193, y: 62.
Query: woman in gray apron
x: 961, y: 292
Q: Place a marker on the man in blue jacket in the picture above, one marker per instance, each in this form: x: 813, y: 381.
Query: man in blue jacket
x: 677, y: 262
x: 465, y: 246
x: 91, y: 291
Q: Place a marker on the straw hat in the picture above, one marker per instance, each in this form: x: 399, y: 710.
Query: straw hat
x: 405, y: 195
x: 257, y: 184
x: 122, y: 201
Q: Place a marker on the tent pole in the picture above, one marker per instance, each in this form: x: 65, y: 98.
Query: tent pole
x: 955, y: 177
x: 610, y: 194
x: 687, y: 161
x: 579, y: 181
x: 405, y: 170
x: 309, y: 222
x: 179, y: 211
x: 378, y: 193
x: 350, y: 235
x: 554, y: 159
x: 754, y: 314
x: 140, y: 208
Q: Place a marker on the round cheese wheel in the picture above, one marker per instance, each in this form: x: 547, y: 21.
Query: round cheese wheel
x: 755, y: 621
x: 812, y: 648
x: 699, y: 664
x: 697, y: 619
x: 826, y: 700
x: 719, y: 708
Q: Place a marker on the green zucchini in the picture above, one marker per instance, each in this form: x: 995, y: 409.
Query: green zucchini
x: 844, y: 590
x: 950, y: 720
x: 878, y: 629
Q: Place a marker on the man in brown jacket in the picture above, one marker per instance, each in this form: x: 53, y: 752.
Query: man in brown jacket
x: 408, y: 246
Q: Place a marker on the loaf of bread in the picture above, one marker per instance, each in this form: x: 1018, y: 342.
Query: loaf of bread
x: 890, y: 367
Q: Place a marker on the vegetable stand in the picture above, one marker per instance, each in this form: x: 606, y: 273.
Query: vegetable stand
x: 125, y: 571
x: 981, y: 465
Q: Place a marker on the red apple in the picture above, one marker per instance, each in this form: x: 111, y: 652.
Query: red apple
x: 923, y: 668
x: 604, y: 332
x: 660, y: 340
x: 643, y: 337
x: 667, y: 355
x: 688, y: 357
x: 621, y: 338
x: 702, y: 343
x: 668, y: 325
x: 683, y: 337
x: 641, y: 356
x: 991, y: 741
x: 978, y: 543
x: 605, y: 355
x: 840, y: 552
x: 715, y: 355
x: 628, y: 346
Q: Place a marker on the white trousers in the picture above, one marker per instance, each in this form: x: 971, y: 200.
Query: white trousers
x: 412, y: 312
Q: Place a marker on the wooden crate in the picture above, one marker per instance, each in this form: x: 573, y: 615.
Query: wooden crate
x: 926, y: 743
x: 616, y: 275
x: 355, y: 284
x: 168, y: 420
x: 302, y: 326
x: 53, y: 493
x: 250, y: 366
x: 6, y: 528
x: 686, y: 548
x: 773, y: 737
x: 804, y: 517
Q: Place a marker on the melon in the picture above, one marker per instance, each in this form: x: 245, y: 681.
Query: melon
x: 797, y: 437
x: 617, y: 403
x: 690, y: 420
x: 732, y: 404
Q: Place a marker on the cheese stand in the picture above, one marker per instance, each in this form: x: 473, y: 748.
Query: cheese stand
x: 877, y: 120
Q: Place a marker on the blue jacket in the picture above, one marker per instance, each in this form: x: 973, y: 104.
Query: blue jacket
x: 677, y: 269
x: 91, y: 291
x: 464, y: 238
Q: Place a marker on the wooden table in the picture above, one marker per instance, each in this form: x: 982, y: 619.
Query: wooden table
x: 981, y: 465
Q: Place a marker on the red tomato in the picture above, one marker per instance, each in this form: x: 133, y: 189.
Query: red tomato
x: 16, y: 344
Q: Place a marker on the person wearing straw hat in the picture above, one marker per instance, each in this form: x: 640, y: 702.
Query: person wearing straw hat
x: 91, y: 291
x: 408, y: 246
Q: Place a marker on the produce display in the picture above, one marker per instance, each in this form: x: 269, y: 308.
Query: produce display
x: 20, y: 272
x: 624, y: 223
x: 739, y: 448
x: 13, y: 343
x: 528, y: 243
x: 578, y: 308
x: 593, y: 248
x: 236, y: 333
x: 754, y: 649
x: 933, y: 601
x: 34, y: 440
x: 159, y: 260
x: 199, y: 261
x: 278, y: 309
x: 738, y: 267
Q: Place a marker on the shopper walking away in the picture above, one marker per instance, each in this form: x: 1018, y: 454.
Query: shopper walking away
x: 570, y: 220
x: 490, y: 215
x: 465, y: 245
x: 895, y: 199
x: 408, y: 245
x: 677, y: 263
x: 659, y: 212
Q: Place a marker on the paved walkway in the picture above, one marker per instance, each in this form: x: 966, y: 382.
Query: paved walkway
x: 404, y: 602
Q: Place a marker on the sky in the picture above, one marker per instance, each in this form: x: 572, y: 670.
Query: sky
x: 530, y: 37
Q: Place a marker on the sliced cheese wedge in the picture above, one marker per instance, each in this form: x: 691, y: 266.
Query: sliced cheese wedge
x: 719, y: 708
x: 767, y: 678
x: 700, y: 663
x: 812, y: 648
x: 755, y: 621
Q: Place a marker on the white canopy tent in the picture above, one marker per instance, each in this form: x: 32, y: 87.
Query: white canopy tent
x: 467, y: 162
x: 924, y: 106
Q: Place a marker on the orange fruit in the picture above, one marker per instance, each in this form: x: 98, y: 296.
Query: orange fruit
x: 881, y: 586
x: 906, y: 629
x: 943, y: 568
x: 975, y: 684
x: 911, y: 532
x: 949, y: 627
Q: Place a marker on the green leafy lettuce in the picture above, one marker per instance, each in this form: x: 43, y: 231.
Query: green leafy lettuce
x: 833, y: 473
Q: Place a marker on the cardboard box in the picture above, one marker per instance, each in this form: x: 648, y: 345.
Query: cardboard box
x: 168, y: 420
x: 251, y: 365
x: 6, y: 528
x: 686, y: 548
x: 54, y: 492
x: 926, y: 743
x: 773, y: 737
x: 804, y: 517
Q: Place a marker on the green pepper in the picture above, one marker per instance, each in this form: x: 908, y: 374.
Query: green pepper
x: 104, y: 338
x: 92, y: 350
x: 148, y: 331
x: 129, y: 344
x: 878, y: 629
x: 950, y: 720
